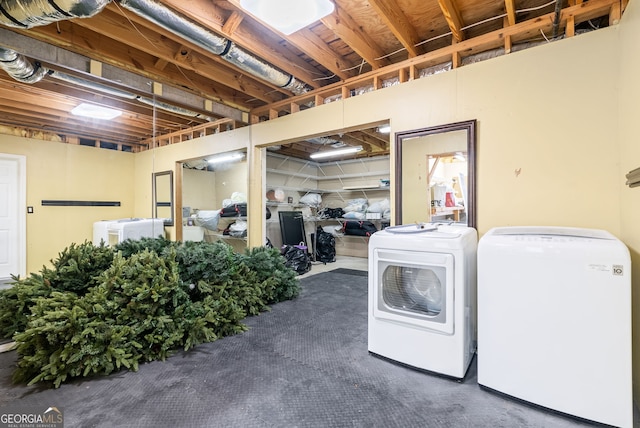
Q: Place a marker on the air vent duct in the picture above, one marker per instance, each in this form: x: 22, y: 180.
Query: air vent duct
x: 33, y: 13
x: 18, y: 67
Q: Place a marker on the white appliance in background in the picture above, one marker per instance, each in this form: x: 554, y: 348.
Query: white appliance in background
x: 554, y: 320
x: 422, y: 297
x: 112, y: 232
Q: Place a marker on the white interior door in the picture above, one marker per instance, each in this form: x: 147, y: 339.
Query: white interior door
x: 12, y: 216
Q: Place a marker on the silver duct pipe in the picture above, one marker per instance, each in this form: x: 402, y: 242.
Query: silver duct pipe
x: 171, y: 108
x: 184, y: 27
x: 91, y: 85
x: 19, y: 67
x: 33, y: 13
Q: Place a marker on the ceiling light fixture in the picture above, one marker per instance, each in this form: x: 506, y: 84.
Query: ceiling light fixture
x: 226, y: 158
x: 95, y: 112
x: 288, y: 16
x: 332, y: 153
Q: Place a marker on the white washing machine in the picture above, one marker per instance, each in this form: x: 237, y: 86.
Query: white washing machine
x: 422, y: 297
x: 554, y: 320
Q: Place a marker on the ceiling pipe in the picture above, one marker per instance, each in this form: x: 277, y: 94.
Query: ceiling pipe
x: 556, y: 19
x: 180, y: 25
x: 31, y: 13
x: 19, y: 68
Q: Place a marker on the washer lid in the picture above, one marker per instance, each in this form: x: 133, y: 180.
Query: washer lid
x: 552, y: 231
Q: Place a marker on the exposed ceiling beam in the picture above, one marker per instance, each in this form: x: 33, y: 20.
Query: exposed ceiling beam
x: 454, y: 20
x: 397, y: 21
x: 341, y: 23
x: 313, y: 46
x: 510, y: 6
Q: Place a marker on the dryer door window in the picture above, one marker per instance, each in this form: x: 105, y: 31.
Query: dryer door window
x: 415, y: 288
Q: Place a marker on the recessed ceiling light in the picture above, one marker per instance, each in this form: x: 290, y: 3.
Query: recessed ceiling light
x: 288, y: 16
x: 337, y: 152
x: 95, y: 112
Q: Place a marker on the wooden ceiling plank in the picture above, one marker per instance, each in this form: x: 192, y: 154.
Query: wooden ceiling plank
x: 310, y: 43
x: 397, y: 21
x: 454, y: 20
x: 341, y: 23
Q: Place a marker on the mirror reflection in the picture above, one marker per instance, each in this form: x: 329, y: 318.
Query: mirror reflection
x: 435, y: 174
x: 214, y: 199
x: 163, y: 196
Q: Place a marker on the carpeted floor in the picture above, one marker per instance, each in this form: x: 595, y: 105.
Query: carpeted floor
x: 304, y: 364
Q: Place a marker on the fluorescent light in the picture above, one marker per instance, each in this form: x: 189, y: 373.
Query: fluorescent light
x: 95, y: 112
x: 226, y: 158
x: 384, y: 129
x: 288, y: 16
x: 332, y: 153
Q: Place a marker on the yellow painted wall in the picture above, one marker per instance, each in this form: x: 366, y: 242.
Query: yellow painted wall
x: 58, y: 171
x: 629, y: 142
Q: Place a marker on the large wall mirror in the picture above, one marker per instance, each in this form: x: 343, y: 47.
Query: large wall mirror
x: 210, y: 188
x: 435, y: 174
x: 162, y: 183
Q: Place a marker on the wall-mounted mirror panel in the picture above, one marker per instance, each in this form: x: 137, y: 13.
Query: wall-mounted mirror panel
x: 211, y: 187
x: 435, y: 174
x: 162, y: 183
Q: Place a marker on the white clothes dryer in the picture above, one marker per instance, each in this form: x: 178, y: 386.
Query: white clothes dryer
x: 422, y: 297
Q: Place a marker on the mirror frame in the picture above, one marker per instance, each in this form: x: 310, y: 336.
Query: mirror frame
x: 470, y: 127
x: 156, y: 202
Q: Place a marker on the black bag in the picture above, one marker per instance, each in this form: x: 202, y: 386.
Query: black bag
x: 234, y: 210
x: 325, y: 246
x: 359, y: 228
x: 331, y: 213
x: 296, y: 259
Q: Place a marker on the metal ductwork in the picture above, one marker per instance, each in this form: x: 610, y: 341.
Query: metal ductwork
x: 31, y: 13
x: 18, y: 67
x: 171, y: 108
x: 21, y: 69
x: 91, y: 85
x: 187, y: 29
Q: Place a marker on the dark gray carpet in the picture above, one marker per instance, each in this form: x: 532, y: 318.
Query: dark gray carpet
x: 304, y: 364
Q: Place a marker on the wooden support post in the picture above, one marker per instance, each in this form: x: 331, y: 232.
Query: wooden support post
x: 346, y: 92
x: 615, y: 13
x: 570, y: 29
